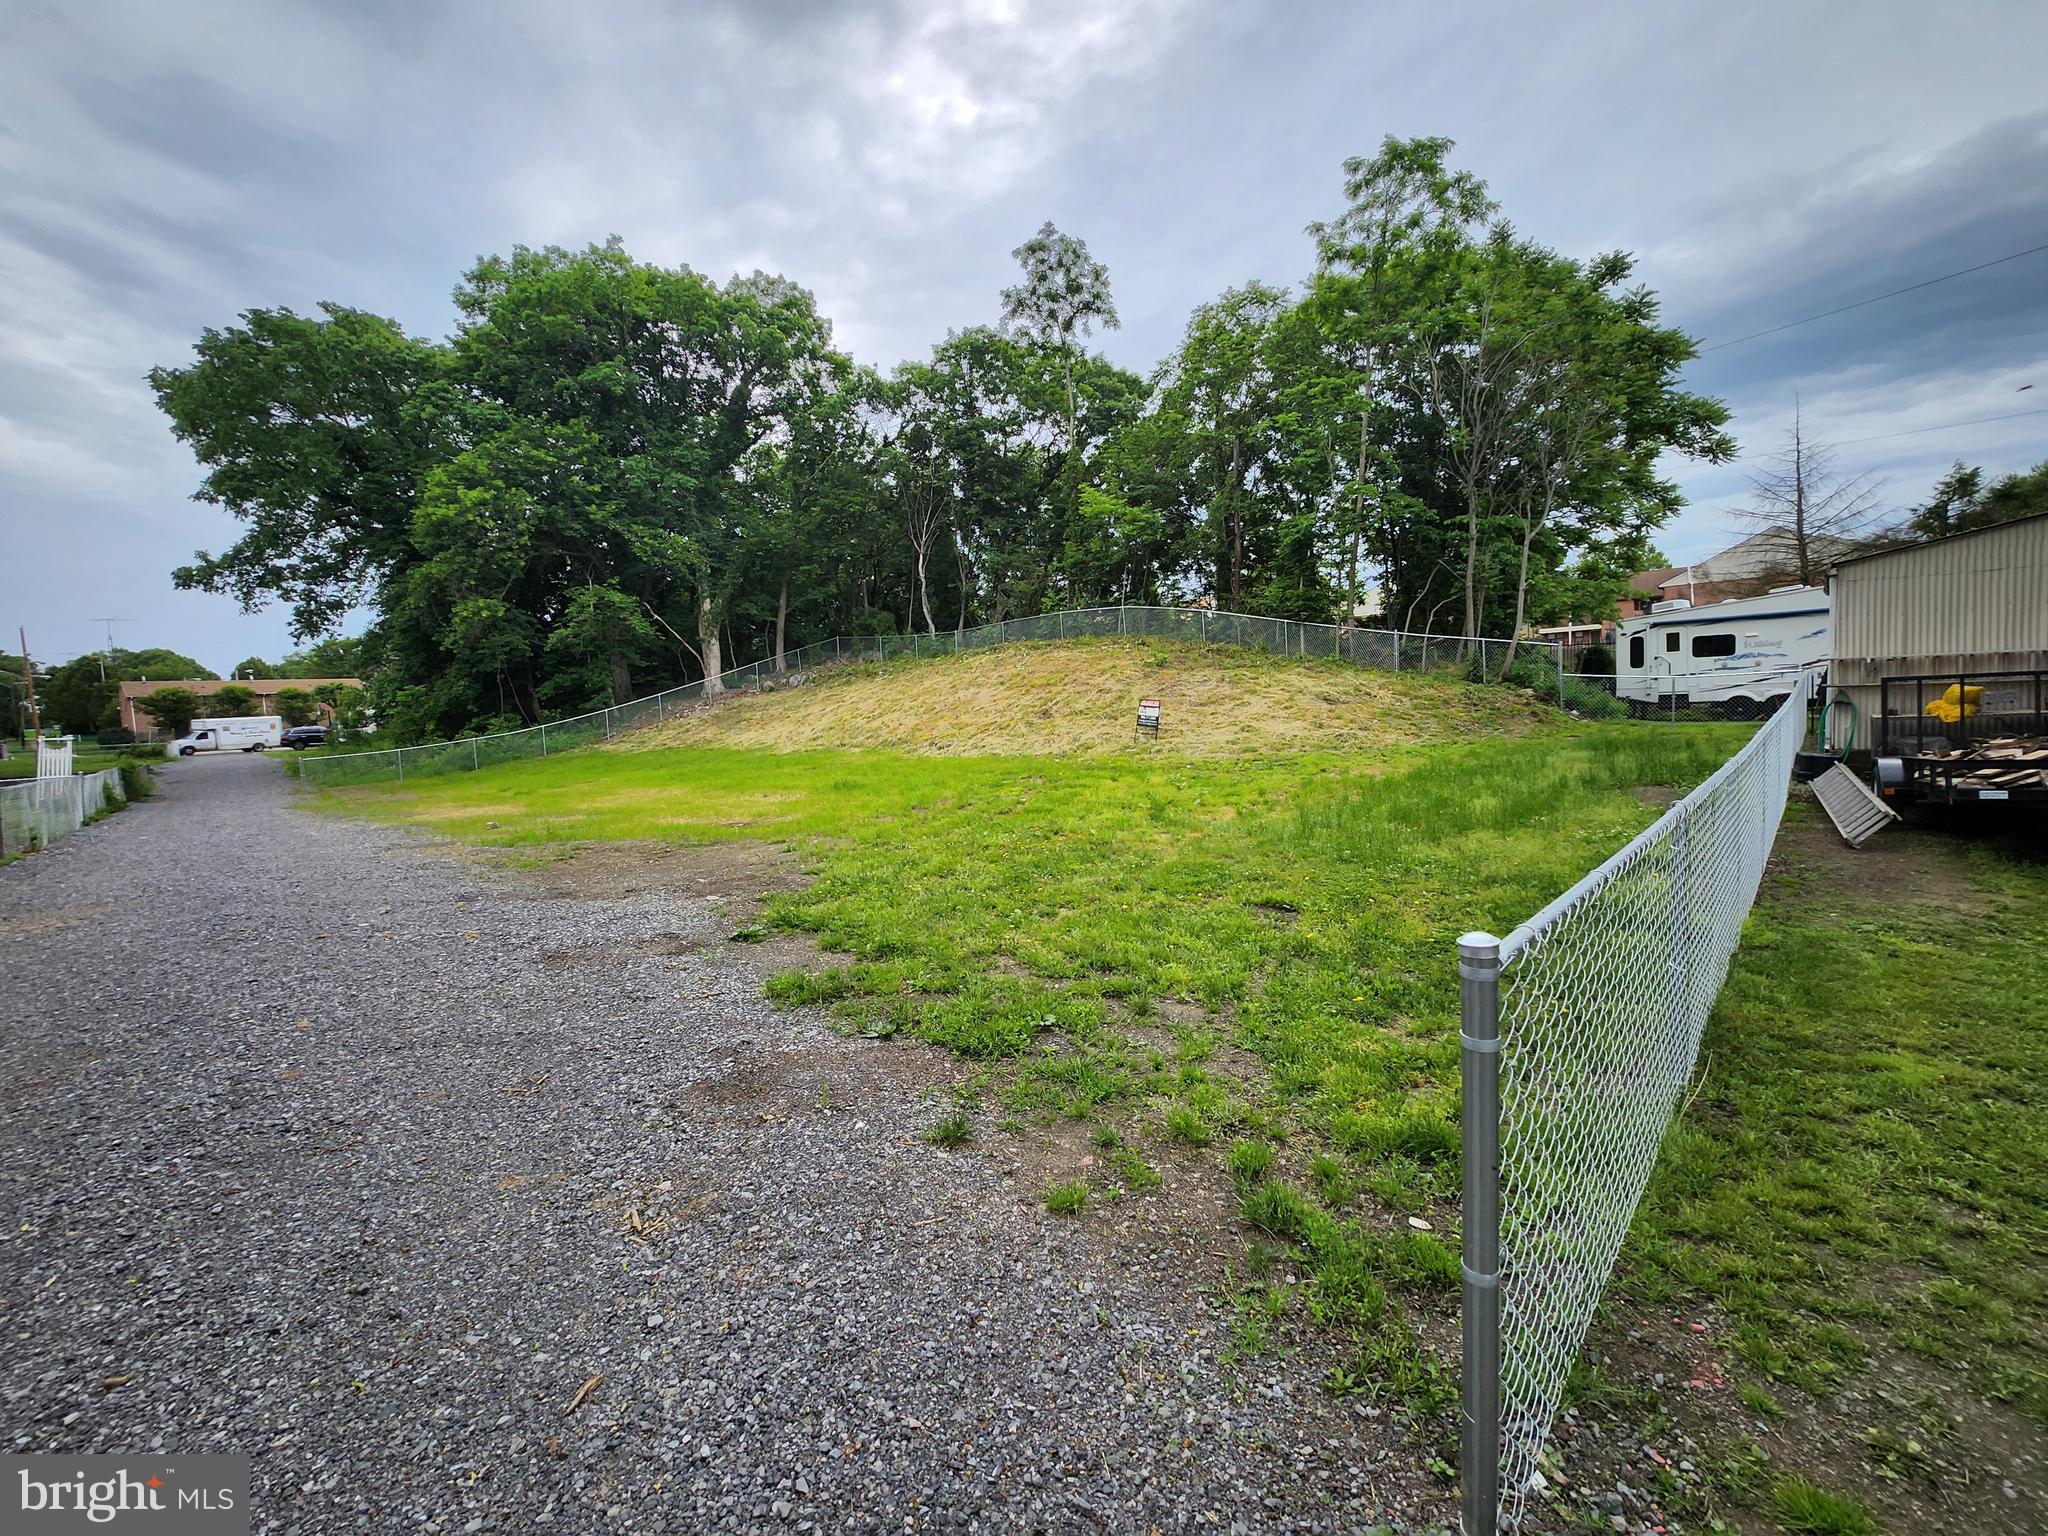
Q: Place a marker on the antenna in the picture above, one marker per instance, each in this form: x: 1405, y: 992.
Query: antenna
x: 110, y: 623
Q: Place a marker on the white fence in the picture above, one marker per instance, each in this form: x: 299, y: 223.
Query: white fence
x: 1580, y: 1033
x: 53, y: 757
x: 34, y: 813
x: 1382, y: 649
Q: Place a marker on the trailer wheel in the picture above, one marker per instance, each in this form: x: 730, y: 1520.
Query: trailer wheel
x: 1740, y: 708
x: 1775, y: 703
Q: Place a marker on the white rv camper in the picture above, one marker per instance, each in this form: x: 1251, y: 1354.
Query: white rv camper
x: 1743, y: 654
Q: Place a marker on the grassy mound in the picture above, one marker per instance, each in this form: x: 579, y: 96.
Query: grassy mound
x: 1081, y: 698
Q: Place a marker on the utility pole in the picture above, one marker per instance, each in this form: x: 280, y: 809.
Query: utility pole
x: 28, y: 677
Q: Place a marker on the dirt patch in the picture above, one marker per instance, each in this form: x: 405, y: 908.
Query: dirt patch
x: 1924, y: 1451
x: 1659, y: 795
x: 52, y: 920
x: 607, y: 871
x: 1921, y: 865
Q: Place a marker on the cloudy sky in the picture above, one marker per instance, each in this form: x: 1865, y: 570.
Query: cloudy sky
x: 165, y: 165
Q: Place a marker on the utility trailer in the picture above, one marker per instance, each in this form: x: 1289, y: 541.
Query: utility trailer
x: 1963, y: 738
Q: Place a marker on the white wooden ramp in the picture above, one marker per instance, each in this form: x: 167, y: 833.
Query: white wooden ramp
x: 1857, y: 813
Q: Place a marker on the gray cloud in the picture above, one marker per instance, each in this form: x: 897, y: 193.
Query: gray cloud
x: 164, y: 166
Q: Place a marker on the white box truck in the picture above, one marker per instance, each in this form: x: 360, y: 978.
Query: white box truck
x: 243, y: 733
x: 1742, y: 655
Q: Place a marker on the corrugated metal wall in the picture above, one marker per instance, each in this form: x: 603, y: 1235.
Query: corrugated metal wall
x: 1978, y: 603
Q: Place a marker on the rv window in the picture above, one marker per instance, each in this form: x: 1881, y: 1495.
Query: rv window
x: 1713, y: 645
x: 1671, y: 640
x: 1635, y: 651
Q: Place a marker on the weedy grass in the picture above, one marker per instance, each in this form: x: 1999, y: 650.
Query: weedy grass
x: 1862, y: 1163
x: 1068, y: 1199
x: 1811, y: 1511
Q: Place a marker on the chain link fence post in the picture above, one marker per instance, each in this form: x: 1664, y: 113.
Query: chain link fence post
x: 1479, y: 1063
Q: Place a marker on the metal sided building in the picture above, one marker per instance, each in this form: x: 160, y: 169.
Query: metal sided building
x: 1972, y: 602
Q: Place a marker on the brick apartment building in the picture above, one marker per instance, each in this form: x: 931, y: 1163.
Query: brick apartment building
x: 266, y: 690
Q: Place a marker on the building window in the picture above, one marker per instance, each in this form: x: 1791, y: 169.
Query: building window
x: 1635, y: 651
x: 1713, y: 645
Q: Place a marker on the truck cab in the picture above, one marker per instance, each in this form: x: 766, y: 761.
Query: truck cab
x: 1741, y: 656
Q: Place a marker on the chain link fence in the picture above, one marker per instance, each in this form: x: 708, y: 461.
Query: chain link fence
x: 1581, y: 1029
x: 34, y: 813
x: 1536, y: 665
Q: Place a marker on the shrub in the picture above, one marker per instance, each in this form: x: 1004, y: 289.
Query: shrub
x: 1594, y: 658
x: 136, y: 783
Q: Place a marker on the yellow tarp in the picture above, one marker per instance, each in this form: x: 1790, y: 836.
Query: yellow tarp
x: 1949, y: 708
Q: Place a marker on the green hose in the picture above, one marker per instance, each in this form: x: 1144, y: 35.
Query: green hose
x: 1826, y: 709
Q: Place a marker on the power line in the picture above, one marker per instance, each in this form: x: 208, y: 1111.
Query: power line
x: 1875, y: 437
x: 1975, y: 421
x: 2032, y: 250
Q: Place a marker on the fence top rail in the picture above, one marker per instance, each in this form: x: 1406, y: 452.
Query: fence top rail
x: 945, y: 637
x: 1596, y: 880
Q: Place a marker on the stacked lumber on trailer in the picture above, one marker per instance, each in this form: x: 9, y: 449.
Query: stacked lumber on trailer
x: 2005, y: 762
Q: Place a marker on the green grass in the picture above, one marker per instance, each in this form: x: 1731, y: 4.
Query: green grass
x: 85, y: 758
x: 1099, y: 929
x: 1039, y: 911
x: 1810, y: 1511
x: 1862, y: 1166
x: 1067, y: 1199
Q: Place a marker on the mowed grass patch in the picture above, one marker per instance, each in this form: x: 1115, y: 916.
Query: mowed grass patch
x: 1081, y: 697
x: 1104, y: 923
x: 1863, y: 1166
x: 1247, y: 963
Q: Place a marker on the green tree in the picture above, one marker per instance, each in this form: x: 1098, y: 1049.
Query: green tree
x: 156, y: 665
x: 1064, y: 296
x: 1961, y: 501
x: 315, y: 433
x: 77, y: 699
x: 337, y: 656
x: 252, y: 666
x: 173, y: 709
x: 295, y: 706
x: 231, y: 702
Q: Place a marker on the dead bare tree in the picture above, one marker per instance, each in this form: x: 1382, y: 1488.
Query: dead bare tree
x: 1802, y: 496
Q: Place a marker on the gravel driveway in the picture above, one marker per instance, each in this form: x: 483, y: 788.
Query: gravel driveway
x: 362, y: 1155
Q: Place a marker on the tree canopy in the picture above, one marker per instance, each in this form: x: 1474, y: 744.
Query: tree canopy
x: 616, y: 476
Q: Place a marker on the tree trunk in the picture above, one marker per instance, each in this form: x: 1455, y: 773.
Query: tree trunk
x: 1236, y: 493
x: 966, y: 569
x: 1471, y: 558
x: 782, y: 625
x: 708, y: 647
x: 622, y: 680
x: 1521, y: 597
x: 924, y: 597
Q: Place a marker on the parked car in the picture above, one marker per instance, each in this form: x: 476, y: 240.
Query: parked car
x: 300, y: 737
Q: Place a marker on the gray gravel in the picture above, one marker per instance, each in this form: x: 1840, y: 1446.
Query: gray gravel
x: 362, y: 1156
